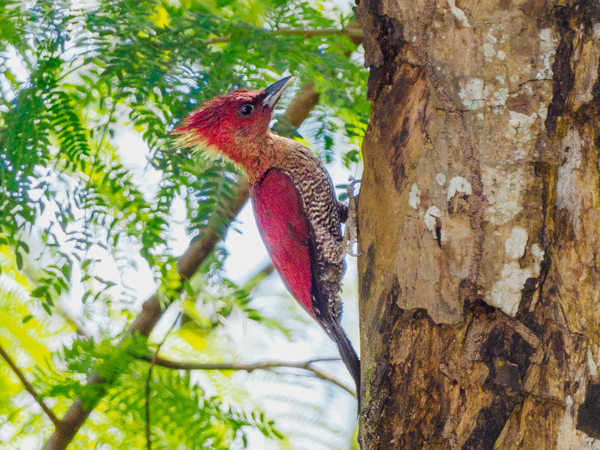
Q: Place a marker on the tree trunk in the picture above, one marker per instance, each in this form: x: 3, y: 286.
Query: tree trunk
x: 479, y: 225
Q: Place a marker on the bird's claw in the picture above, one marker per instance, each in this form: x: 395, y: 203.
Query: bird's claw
x: 350, y: 188
x: 350, y: 233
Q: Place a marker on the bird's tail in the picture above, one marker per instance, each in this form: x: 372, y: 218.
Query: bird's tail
x: 348, y: 354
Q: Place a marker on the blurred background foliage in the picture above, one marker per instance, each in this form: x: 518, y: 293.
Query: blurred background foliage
x: 78, y: 219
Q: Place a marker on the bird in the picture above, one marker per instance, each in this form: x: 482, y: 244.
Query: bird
x: 293, y: 198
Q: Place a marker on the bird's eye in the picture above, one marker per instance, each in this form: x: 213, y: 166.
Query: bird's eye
x: 246, y: 110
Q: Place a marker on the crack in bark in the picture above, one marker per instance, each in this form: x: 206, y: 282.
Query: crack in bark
x: 571, y: 19
x: 564, y: 79
x: 596, y: 94
x: 391, y: 43
x: 533, y: 80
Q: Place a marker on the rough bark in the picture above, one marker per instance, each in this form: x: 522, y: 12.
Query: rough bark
x: 479, y: 225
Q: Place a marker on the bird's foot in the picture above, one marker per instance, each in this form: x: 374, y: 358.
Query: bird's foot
x: 350, y: 233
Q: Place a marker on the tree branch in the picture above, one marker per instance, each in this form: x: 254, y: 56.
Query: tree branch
x: 352, y: 33
x: 191, y: 260
x: 151, y: 312
x: 57, y: 423
x: 263, y: 365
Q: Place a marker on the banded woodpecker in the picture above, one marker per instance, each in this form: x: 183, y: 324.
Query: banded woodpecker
x: 293, y: 198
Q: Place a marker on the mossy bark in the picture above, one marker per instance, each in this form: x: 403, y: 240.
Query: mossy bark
x: 479, y: 224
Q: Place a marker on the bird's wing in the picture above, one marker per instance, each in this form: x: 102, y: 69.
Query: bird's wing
x: 285, y: 230
x: 283, y: 226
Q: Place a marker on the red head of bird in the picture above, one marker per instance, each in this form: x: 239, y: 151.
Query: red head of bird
x: 235, y: 125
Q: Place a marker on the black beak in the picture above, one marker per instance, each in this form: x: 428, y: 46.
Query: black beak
x: 276, y: 90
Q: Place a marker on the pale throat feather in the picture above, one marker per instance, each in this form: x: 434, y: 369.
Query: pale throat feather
x: 253, y: 154
x: 198, y: 144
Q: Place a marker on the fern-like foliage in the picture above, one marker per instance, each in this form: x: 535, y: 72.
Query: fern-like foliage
x: 80, y: 226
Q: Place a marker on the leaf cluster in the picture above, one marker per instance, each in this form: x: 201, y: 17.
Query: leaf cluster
x: 74, y: 78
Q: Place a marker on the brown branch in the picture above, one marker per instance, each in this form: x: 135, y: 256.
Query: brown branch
x: 352, y: 33
x: 191, y: 260
x: 325, y: 32
x: 297, y: 110
x: 57, y: 423
x: 302, y: 105
x: 151, y: 312
x: 264, y: 365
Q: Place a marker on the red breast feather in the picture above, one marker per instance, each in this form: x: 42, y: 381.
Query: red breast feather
x: 282, y: 224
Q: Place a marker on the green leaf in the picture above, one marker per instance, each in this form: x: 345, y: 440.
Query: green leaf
x: 66, y: 270
x: 49, y: 299
x: 86, y: 296
x: 47, y: 308
x: 39, y: 292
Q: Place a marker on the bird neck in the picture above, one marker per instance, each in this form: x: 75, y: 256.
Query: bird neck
x: 257, y: 154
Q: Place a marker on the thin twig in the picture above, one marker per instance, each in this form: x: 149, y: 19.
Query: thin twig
x: 325, y: 32
x: 152, y: 362
x: 103, y: 134
x: 69, y: 72
x: 57, y: 423
x: 326, y: 377
x: 263, y: 365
